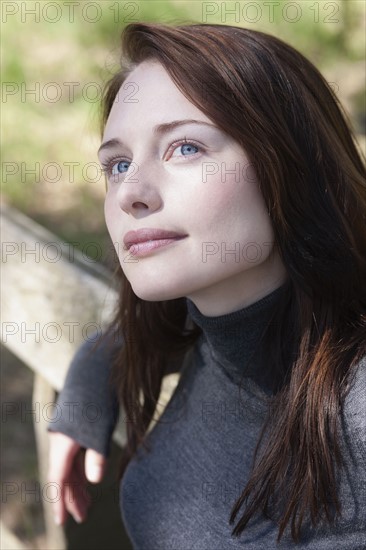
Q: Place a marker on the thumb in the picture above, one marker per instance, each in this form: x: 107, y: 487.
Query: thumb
x: 94, y: 465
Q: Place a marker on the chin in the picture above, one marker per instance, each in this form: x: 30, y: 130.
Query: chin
x: 155, y: 294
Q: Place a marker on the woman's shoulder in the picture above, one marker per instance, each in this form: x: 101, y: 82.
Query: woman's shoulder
x: 354, y: 407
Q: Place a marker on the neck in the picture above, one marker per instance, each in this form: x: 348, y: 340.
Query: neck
x: 232, y: 339
x: 240, y: 290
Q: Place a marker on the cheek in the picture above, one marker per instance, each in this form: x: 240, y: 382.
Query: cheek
x: 230, y: 207
x: 233, y: 212
x: 109, y: 214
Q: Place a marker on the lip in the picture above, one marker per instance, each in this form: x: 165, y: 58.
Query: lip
x: 146, y: 234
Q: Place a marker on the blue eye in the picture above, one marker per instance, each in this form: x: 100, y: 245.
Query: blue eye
x: 120, y: 167
x: 185, y: 149
x: 188, y: 147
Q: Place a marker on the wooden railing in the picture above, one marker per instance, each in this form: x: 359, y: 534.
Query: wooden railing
x: 52, y: 298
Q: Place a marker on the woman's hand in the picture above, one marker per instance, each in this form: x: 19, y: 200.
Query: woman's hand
x: 70, y: 467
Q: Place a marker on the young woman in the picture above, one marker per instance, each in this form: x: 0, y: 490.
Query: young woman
x: 237, y: 205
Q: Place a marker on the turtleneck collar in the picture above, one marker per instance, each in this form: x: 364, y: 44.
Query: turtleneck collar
x: 232, y: 338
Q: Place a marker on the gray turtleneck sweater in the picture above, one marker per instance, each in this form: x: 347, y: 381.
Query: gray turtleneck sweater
x: 179, y: 495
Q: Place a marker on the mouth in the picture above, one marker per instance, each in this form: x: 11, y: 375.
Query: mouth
x: 146, y: 247
x: 145, y: 240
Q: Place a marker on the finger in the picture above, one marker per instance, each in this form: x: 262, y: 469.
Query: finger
x: 95, y: 464
x: 77, y: 498
x: 61, y: 456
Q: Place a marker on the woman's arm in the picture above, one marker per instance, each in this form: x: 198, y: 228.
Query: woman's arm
x: 85, y: 415
x: 87, y: 407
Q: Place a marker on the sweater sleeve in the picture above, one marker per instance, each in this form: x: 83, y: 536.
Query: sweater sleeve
x: 87, y: 407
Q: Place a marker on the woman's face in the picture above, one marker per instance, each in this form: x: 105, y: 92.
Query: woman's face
x: 203, y: 190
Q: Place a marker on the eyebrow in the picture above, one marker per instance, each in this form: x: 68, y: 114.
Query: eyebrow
x: 160, y: 129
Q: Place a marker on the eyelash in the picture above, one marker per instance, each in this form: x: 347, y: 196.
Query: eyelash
x: 111, y: 161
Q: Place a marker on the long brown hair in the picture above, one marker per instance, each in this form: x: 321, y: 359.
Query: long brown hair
x: 277, y: 105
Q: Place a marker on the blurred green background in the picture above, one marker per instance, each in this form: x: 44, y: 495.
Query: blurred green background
x: 56, y: 56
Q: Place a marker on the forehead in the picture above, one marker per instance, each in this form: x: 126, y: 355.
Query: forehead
x: 149, y: 96
x: 147, y: 77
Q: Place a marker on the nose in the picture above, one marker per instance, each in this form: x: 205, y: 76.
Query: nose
x: 139, y: 193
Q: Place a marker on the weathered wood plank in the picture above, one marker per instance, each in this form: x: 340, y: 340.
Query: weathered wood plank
x: 43, y: 394
x: 51, y: 299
